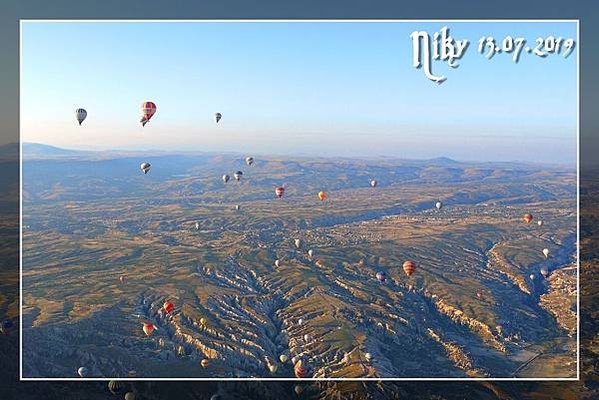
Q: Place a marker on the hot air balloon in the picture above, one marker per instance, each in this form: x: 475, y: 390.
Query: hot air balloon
x: 80, y: 114
x: 237, y: 207
x: 168, y: 307
x: 298, y: 390
x: 145, y: 167
x: 148, y: 109
x: 381, y: 276
x: 532, y: 276
x: 368, y: 357
x: 279, y: 191
x: 129, y: 396
x: 409, y: 267
x: 310, y: 253
x: 298, y: 243
x: 540, y: 223
x: 82, y: 371
x: 439, y: 205
x: 218, y: 116
x: 249, y: 160
x: 322, y: 196
x: 300, y: 321
x: 306, y: 338
x: 204, y: 363
x: 116, y: 387
x: 122, y: 279
x: 197, y: 226
x: 299, y: 370
x: 7, y: 324
x: 373, y: 183
x: 277, y: 263
x: 527, y: 218
x: 479, y: 294
x: 226, y: 178
x: 283, y: 358
x: 544, y: 272
x: 148, y: 328
x: 546, y: 252
x: 237, y: 175
x: 272, y: 368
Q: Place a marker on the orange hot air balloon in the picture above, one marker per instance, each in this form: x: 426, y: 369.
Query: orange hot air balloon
x: 409, y: 267
x: 299, y: 370
x: 168, y: 307
x: 149, y: 328
x: 527, y: 218
x: 279, y: 191
x: 148, y: 109
x: 322, y: 196
x: 204, y: 363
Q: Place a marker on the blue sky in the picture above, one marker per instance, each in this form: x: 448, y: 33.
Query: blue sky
x: 327, y: 89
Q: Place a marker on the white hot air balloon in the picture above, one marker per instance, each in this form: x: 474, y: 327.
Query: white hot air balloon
x: 306, y: 338
x: 237, y: 207
x: 249, y: 160
x: 368, y: 357
x: 300, y: 321
x: 298, y: 243
x: 546, y: 252
x: 273, y: 368
x: 197, y: 226
x: 145, y: 167
x: 439, y: 205
x: 80, y: 114
x: 82, y: 371
x: 283, y: 358
x: 226, y: 178
x: 532, y: 277
x: 540, y: 223
x: 373, y: 183
x: 277, y: 263
x: 310, y: 253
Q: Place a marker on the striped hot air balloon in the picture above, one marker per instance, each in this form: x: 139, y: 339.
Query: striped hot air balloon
x: 409, y: 267
x: 299, y: 370
x: 148, y: 109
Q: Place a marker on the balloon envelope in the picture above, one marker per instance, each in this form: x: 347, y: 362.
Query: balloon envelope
x: 148, y: 109
x: 80, y: 114
x: 218, y: 116
x: 279, y: 191
x: 82, y: 371
x: 409, y: 267
x: 527, y: 218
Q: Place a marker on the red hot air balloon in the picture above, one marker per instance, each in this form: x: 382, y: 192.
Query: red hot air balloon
x: 168, y: 307
x: 527, y: 218
x: 279, y: 191
x: 147, y: 110
x: 299, y: 370
x: 149, y: 328
x: 409, y: 267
